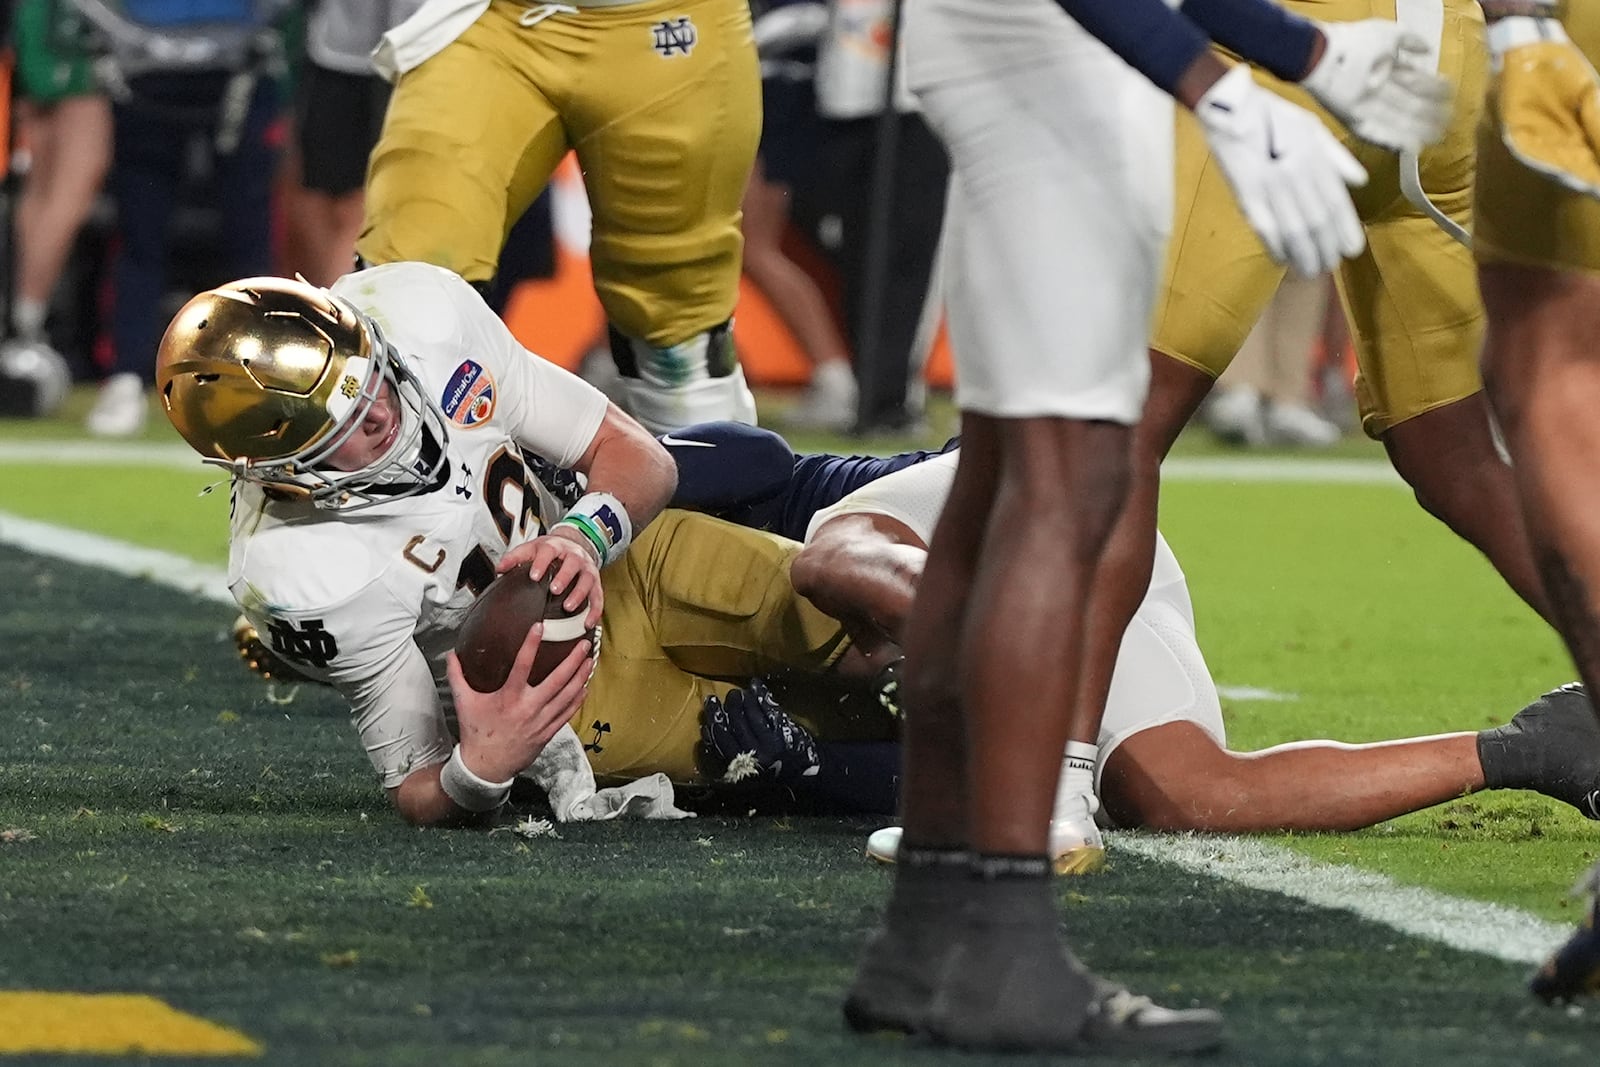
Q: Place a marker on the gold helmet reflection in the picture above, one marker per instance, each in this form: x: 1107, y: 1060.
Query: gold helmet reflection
x: 269, y: 376
x: 261, y: 369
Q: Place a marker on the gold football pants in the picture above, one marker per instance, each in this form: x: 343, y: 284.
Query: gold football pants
x: 1411, y: 296
x: 696, y: 607
x: 660, y: 99
x: 1523, y: 216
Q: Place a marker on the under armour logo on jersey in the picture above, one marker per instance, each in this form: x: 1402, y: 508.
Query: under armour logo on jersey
x: 600, y: 730
x: 309, y: 644
x: 674, y: 37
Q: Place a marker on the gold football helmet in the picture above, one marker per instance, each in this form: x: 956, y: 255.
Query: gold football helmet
x: 269, y: 376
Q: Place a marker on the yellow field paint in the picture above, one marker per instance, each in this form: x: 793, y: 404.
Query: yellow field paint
x: 110, y: 1024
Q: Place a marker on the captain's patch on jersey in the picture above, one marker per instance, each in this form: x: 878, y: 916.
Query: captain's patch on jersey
x: 468, y: 395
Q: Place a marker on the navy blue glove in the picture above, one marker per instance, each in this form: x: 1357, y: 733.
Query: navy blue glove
x: 749, y: 723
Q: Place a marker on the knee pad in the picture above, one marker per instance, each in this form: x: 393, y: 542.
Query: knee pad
x: 698, y: 380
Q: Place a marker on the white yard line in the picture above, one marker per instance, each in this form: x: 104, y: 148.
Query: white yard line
x: 93, y: 550
x: 101, y: 454
x: 1487, y: 929
x: 1285, y: 469
x: 1495, y: 930
x: 1250, y: 692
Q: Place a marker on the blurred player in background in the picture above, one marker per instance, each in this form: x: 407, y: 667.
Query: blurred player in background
x: 660, y: 101
x: 1058, y: 222
x: 1538, y: 248
x: 786, y: 34
x: 1416, y: 319
x: 339, y: 109
x: 64, y: 124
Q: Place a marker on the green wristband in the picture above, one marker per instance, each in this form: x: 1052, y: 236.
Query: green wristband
x: 590, y: 531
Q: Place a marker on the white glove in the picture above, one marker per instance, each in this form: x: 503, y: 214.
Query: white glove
x: 1377, y: 78
x: 1287, y: 171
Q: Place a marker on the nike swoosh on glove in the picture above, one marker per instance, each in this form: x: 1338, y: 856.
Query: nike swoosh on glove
x: 1376, y: 77
x: 1547, y: 98
x: 1287, y: 172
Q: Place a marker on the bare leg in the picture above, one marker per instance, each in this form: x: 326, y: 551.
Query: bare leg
x: 793, y: 294
x: 1544, y: 380
x: 1062, y: 484
x: 1176, y: 777
x: 934, y: 788
x: 326, y: 227
x: 1448, y: 457
x: 1123, y: 576
x: 72, y: 149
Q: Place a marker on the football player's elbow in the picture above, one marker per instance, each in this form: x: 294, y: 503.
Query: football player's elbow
x: 814, y: 568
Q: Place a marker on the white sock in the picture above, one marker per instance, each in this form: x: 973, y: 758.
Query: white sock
x: 28, y: 317
x: 1077, y: 776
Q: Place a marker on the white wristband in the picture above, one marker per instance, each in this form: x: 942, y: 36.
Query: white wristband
x: 467, y: 789
x: 605, y: 522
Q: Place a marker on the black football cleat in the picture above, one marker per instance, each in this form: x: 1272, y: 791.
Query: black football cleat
x: 1574, y: 970
x: 894, y: 982
x: 1029, y: 995
x: 1551, y: 746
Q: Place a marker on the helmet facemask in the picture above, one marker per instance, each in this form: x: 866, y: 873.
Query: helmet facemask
x: 414, y: 463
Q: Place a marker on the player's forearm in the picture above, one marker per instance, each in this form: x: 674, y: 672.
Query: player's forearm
x: 1262, y: 32
x: 422, y: 801
x: 628, y: 463
x: 866, y: 584
x: 1147, y: 34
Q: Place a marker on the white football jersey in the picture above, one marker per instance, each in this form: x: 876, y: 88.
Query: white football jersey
x: 915, y: 495
x: 371, y: 601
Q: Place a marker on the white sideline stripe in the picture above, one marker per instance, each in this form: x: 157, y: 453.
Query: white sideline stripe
x: 1250, y: 692
x: 1179, y: 469
x: 135, y: 561
x: 101, y: 453
x: 1279, y: 469
x: 1474, y: 926
x: 1495, y: 930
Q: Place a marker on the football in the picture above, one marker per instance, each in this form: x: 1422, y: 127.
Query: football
x: 498, y: 623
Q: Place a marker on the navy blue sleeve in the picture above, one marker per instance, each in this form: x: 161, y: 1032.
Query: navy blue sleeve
x: 1153, y: 39
x: 733, y: 471
x: 1260, y: 31
x: 821, y: 480
x: 857, y: 776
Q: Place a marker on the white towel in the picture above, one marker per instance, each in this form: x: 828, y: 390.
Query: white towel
x: 563, y: 772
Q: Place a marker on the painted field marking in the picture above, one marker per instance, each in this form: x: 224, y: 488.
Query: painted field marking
x: 1250, y: 692
x: 92, y: 550
x: 1489, y: 929
x: 1495, y: 930
x: 110, y: 1024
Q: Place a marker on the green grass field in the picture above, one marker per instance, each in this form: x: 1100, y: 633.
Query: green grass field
x: 191, y: 839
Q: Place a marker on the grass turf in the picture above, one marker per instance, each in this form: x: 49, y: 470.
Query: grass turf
x: 231, y: 856
x: 234, y: 856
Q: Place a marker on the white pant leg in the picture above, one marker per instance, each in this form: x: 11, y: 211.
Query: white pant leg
x: 1060, y: 206
x: 1160, y: 677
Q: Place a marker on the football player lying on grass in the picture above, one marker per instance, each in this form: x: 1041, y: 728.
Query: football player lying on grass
x: 392, y: 446
x: 1164, y: 762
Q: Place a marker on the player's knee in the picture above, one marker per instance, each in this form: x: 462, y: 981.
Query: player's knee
x: 1166, y: 778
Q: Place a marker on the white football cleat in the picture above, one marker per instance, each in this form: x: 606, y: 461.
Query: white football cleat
x: 120, y: 409
x: 1075, y: 850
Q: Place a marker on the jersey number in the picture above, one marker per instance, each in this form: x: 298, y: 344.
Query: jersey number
x: 505, y: 469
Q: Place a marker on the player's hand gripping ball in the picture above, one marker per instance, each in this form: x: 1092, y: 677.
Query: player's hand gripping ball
x: 498, y: 623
